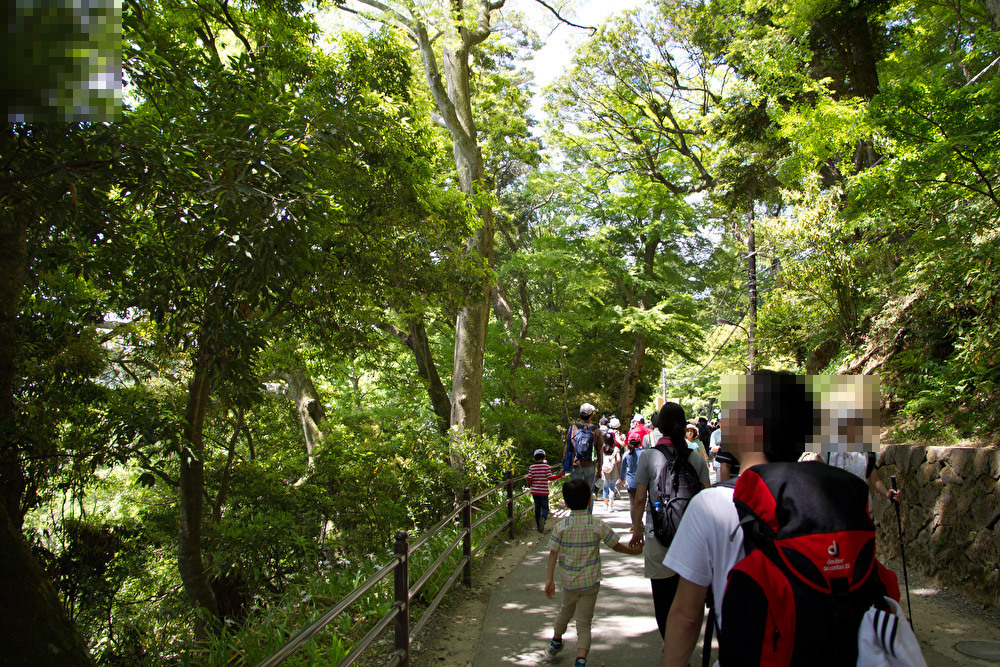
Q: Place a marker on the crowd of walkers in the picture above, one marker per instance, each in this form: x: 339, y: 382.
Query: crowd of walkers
x: 746, y: 523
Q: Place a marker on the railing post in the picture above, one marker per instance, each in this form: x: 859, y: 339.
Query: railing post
x: 467, y: 540
x: 510, y: 504
x: 402, y: 598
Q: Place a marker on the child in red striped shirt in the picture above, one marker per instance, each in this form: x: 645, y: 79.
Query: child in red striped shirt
x: 539, y: 476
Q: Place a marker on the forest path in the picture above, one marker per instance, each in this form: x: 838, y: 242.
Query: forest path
x: 507, y: 620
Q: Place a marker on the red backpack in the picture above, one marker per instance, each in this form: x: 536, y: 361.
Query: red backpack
x: 810, y: 572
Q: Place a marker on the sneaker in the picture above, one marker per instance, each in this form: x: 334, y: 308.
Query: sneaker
x: 554, y: 648
x: 580, y: 662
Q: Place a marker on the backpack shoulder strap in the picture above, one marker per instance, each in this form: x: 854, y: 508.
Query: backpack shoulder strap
x: 710, y: 625
x: 871, y: 462
x: 756, y: 583
x: 569, y: 440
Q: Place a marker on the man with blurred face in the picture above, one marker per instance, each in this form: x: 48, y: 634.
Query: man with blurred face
x: 768, y: 417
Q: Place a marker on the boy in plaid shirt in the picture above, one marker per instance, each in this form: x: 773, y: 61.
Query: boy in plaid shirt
x: 576, y: 547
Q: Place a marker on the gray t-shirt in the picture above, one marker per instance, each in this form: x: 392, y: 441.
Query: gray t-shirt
x: 650, y: 464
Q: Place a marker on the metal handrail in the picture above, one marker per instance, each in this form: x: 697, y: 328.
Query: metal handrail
x: 489, y: 515
x: 489, y: 538
x: 436, y: 529
x: 437, y: 598
x: 363, y: 645
x: 436, y: 564
x: 399, y: 566
x: 310, y: 630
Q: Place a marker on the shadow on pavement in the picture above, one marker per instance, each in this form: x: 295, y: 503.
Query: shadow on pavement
x: 519, y: 618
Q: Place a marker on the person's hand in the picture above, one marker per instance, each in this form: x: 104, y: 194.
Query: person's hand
x: 550, y: 589
x: 893, y: 495
x: 638, y: 539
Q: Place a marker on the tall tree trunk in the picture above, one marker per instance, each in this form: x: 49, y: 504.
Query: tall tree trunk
x: 421, y: 347
x: 220, y: 497
x: 474, y: 315
x: 416, y: 339
x: 453, y: 99
x: 517, y: 361
x: 849, y: 29
x: 630, y: 383
x: 34, y: 627
x: 470, y: 351
x: 310, y: 408
x: 863, y: 65
x: 993, y: 7
x: 192, y: 482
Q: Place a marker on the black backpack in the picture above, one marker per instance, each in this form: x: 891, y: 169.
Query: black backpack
x: 669, y: 494
x: 582, y: 443
x: 810, y: 573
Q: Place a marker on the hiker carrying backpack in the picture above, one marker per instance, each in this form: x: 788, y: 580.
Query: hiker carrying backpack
x: 581, y: 439
x: 661, y: 478
x: 810, y: 574
x: 581, y: 442
x: 675, y: 484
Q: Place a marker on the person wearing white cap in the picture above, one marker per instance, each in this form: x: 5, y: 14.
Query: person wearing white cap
x: 582, y: 455
x: 539, y: 476
x: 614, y: 435
x: 616, y: 438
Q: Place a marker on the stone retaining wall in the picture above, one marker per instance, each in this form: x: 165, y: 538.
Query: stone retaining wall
x: 950, y: 515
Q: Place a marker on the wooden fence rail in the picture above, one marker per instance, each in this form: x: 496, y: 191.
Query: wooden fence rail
x: 399, y: 613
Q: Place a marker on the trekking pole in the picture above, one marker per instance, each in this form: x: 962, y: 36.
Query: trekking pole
x: 902, y: 552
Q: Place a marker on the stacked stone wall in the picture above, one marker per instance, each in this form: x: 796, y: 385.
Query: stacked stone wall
x: 950, y: 514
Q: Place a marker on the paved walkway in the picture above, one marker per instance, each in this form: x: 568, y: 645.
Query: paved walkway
x: 519, y: 618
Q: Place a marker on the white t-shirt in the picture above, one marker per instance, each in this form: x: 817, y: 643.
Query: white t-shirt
x: 647, y: 469
x: 852, y: 462
x: 715, y: 440
x: 702, y: 551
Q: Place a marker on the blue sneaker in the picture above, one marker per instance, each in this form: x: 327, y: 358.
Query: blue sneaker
x: 553, y: 648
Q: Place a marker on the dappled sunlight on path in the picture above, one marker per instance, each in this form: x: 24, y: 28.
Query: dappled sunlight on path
x: 945, y: 623
x: 519, y: 618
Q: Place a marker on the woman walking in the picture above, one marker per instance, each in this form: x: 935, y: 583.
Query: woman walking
x: 610, y: 473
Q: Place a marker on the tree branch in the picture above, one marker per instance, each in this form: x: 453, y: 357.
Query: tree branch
x: 446, y: 108
x: 393, y: 330
x: 148, y: 466
x: 438, y: 120
x: 549, y: 7
x: 220, y: 498
x: 973, y: 80
x: 403, y: 21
